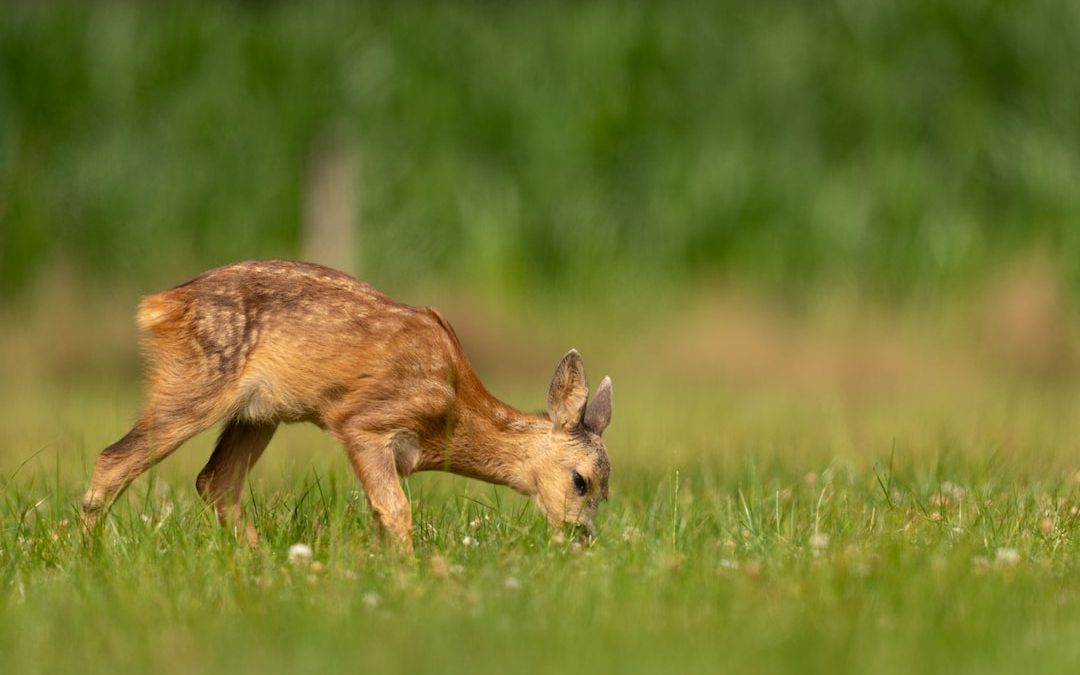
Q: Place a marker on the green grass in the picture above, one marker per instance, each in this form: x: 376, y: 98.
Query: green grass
x: 747, y: 532
x: 788, y: 495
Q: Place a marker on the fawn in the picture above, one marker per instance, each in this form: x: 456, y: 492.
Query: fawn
x: 263, y: 342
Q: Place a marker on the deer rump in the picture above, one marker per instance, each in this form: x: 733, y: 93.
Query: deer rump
x: 263, y: 348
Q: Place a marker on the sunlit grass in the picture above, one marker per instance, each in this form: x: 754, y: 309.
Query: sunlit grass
x: 733, y: 554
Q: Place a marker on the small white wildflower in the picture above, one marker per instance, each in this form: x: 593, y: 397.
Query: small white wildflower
x: 952, y: 491
x: 1007, y: 556
x: 469, y: 541
x: 457, y: 570
x: 371, y: 600
x: 819, y: 542
x: 146, y: 518
x: 512, y: 583
x: 729, y: 564
x: 300, y: 554
x: 474, y: 523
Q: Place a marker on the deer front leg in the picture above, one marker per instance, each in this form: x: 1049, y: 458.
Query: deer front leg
x: 372, y: 457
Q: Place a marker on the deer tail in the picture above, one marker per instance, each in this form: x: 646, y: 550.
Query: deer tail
x: 157, y: 312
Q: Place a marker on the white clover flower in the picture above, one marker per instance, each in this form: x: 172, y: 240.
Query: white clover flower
x: 371, y: 600
x: 300, y: 554
x: 952, y: 491
x: 1007, y: 556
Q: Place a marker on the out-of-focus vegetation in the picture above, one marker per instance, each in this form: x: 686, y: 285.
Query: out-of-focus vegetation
x: 884, y: 145
x: 851, y: 480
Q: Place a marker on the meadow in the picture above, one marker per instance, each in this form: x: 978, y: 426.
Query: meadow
x: 914, y: 512
x: 828, y: 253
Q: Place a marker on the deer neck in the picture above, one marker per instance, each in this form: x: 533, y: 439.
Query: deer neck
x: 491, y: 441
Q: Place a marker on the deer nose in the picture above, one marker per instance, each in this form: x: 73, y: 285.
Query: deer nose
x: 584, y: 532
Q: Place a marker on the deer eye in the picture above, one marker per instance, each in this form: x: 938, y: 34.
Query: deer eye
x: 581, y: 486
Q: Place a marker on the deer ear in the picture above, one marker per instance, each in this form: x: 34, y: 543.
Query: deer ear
x: 568, y: 392
x: 598, y: 414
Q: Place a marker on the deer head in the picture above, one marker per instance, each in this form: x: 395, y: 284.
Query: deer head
x: 572, y: 474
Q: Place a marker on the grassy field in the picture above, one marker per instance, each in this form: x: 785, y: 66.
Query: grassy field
x: 923, y: 523
x: 828, y: 253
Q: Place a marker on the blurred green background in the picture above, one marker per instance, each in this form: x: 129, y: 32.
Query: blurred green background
x: 829, y: 253
x: 887, y: 147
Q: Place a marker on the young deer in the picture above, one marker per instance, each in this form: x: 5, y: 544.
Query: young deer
x: 264, y: 342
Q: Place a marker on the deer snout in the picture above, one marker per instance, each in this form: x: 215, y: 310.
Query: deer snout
x: 580, y: 524
x: 583, y: 532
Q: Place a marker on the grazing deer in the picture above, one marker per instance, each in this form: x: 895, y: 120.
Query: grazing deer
x: 263, y: 342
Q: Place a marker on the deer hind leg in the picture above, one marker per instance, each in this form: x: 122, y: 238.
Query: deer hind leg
x: 158, y: 432
x: 372, y: 457
x: 221, y: 482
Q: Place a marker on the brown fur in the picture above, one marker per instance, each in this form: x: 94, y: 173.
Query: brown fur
x: 264, y: 342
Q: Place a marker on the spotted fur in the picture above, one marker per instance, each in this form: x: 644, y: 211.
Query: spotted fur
x: 255, y: 344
